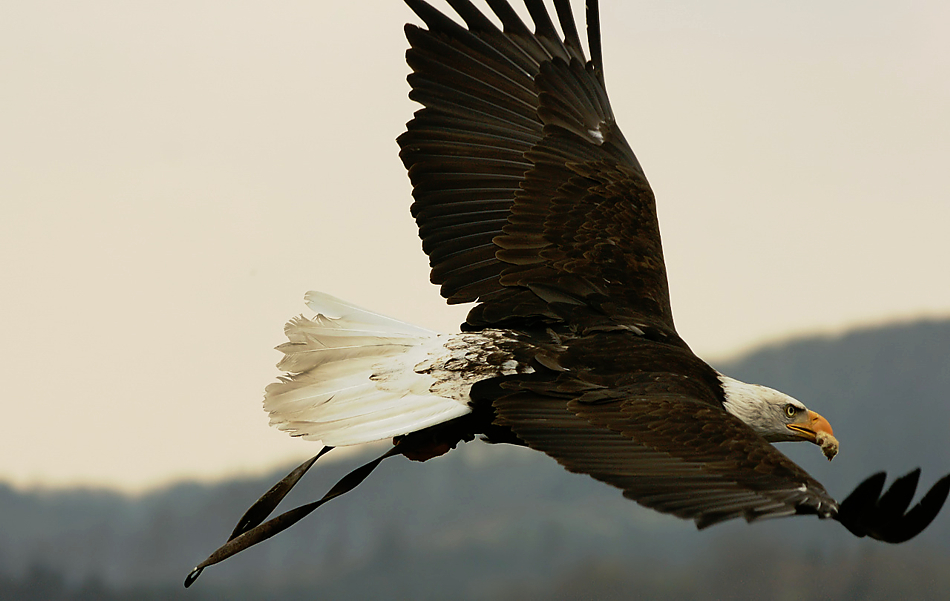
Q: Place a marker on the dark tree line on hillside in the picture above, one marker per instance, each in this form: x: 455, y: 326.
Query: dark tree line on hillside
x: 726, y: 575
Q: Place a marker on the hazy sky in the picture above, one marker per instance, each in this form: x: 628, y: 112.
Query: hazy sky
x: 175, y: 175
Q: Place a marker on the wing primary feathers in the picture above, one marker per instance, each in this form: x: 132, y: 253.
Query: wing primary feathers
x: 868, y: 513
x: 473, y: 17
x: 510, y: 20
x: 520, y: 118
x: 922, y: 514
x: 543, y: 26
x: 593, y: 40
x: 899, y: 496
x: 434, y: 20
x: 572, y: 40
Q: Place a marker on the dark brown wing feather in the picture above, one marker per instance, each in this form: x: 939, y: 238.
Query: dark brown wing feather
x: 668, y: 453
x: 659, y: 435
x: 527, y: 197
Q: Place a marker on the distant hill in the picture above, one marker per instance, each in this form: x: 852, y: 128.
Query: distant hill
x: 507, y: 523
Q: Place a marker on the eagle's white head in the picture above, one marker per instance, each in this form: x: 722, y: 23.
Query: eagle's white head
x: 776, y: 416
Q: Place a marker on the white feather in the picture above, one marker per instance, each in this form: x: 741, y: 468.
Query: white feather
x: 337, y: 309
x: 352, y: 376
x: 760, y: 407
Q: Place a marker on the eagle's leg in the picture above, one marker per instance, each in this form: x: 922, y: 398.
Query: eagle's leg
x: 435, y: 440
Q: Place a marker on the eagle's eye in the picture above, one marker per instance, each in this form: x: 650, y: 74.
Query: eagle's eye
x: 791, y: 410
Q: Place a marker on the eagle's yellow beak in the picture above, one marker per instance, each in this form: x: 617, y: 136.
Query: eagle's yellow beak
x: 812, y: 426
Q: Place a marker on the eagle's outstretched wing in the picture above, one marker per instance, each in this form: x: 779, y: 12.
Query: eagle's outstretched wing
x: 527, y: 196
x: 655, y: 432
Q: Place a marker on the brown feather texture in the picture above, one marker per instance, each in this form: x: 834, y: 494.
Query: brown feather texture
x: 522, y: 181
x: 657, y: 431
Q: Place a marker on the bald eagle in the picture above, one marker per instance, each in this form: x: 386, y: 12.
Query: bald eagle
x: 531, y: 204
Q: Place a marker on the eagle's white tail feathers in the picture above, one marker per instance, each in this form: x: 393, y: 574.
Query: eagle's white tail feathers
x: 335, y: 308
x: 351, y: 379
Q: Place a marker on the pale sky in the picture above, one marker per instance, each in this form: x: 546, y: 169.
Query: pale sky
x: 175, y: 175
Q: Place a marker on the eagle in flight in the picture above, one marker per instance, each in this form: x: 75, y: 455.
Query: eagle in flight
x: 531, y: 204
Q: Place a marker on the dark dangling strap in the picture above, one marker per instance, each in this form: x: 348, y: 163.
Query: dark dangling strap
x: 249, y: 530
x: 264, y: 506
